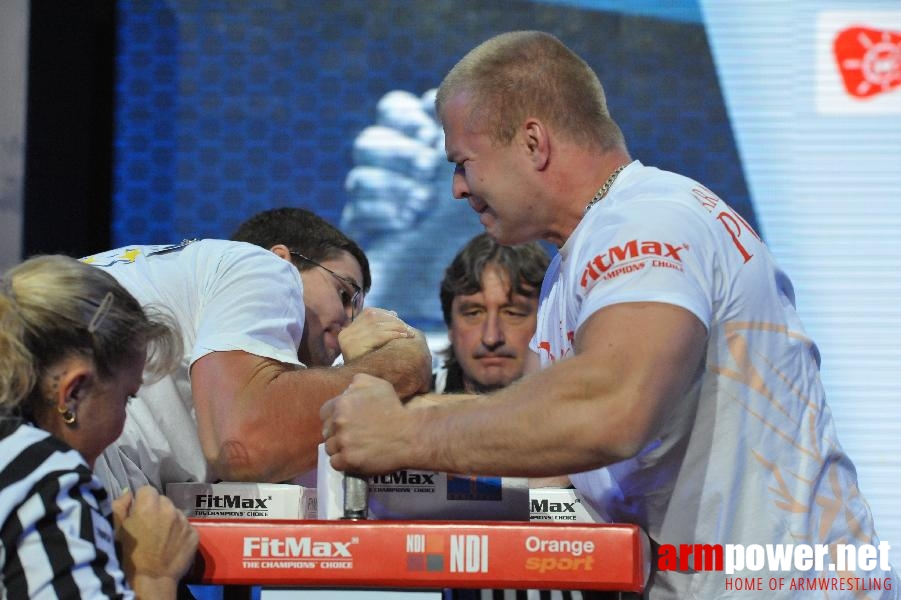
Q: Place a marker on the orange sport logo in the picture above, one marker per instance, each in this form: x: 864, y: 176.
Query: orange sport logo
x: 559, y: 555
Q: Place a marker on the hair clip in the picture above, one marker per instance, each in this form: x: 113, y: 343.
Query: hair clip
x: 101, y: 312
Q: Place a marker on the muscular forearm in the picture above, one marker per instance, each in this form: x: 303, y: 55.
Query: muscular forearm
x: 537, y: 427
x: 426, y: 400
x: 405, y: 363
x: 602, y: 405
x: 268, y: 429
x: 515, y: 432
x: 625, y: 384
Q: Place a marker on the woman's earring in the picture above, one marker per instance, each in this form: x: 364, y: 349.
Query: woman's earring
x: 67, y: 415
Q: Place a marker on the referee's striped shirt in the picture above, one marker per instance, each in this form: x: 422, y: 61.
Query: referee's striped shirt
x: 56, y: 539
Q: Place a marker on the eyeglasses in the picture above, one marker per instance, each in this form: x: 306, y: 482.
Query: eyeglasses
x: 351, y: 299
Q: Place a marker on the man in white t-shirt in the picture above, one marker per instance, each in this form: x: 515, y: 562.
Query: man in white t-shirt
x: 678, y: 385
x: 263, y: 319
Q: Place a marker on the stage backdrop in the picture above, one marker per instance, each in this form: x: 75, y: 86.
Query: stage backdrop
x: 228, y: 108
x: 13, y: 70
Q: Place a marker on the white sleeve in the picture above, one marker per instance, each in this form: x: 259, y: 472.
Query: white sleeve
x: 252, y: 302
x: 658, y: 254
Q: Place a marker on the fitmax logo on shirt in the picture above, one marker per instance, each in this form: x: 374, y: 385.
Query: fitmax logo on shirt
x: 630, y: 252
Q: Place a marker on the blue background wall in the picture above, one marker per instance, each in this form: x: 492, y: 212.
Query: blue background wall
x: 226, y: 108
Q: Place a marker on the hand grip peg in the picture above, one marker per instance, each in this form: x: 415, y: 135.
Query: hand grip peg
x: 356, y: 497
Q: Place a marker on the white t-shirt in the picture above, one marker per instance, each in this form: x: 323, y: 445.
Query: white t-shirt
x: 750, y: 454
x: 224, y: 296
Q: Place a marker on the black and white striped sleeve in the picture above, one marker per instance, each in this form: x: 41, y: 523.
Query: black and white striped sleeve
x: 56, y: 539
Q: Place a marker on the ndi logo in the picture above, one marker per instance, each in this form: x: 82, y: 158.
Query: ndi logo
x: 425, y: 552
x: 467, y: 553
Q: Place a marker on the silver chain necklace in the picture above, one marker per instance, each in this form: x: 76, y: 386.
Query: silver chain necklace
x: 604, y: 188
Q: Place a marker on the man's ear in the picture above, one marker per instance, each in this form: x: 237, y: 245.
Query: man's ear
x: 281, y: 251
x: 537, y: 142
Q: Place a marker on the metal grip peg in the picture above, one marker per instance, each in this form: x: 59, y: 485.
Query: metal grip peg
x: 356, y: 497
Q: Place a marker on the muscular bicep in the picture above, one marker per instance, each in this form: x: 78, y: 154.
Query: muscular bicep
x: 650, y: 353
x: 257, y: 418
x: 229, y: 389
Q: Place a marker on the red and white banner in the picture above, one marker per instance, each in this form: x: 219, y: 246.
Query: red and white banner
x: 405, y: 554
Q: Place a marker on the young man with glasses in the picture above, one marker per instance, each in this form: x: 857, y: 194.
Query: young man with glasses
x: 263, y: 318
